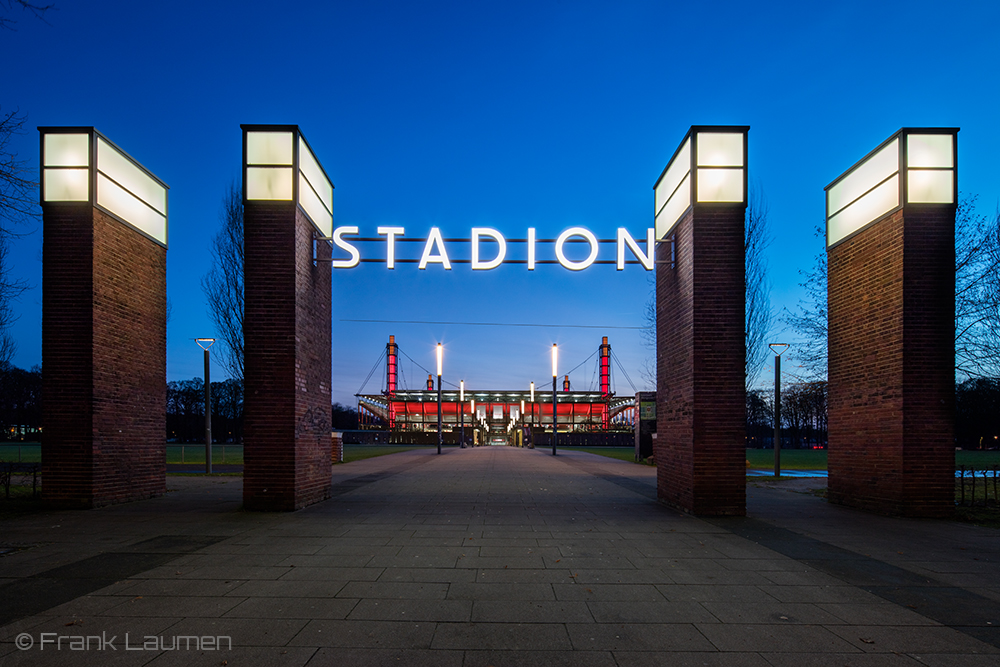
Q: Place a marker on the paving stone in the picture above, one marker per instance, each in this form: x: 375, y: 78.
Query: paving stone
x: 412, y: 610
x: 606, y: 592
x: 277, y: 607
x: 507, y: 636
x: 772, y: 638
x: 522, y: 611
x: 636, y: 637
x: 539, y: 659
x: 365, y: 634
x: 341, y: 657
x: 395, y: 590
x: 652, y: 611
x: 500, y: 591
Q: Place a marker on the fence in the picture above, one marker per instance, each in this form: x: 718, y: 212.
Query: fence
x: 16, y: 474
x: 977, y: 486
x: 195, y: 453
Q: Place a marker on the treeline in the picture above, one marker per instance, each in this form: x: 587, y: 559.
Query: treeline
x: 186, y: 411
x: 20, y: 403
x: 803, y: 416
x: 21, y: 408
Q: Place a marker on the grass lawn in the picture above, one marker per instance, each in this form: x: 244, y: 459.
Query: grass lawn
x: 791, y: 459
x: 623, y: 453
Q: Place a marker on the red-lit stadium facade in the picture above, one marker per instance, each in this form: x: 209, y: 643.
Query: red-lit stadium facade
x: 495, y: 416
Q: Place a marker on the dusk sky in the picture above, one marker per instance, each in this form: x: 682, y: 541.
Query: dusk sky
x: 507, y: 115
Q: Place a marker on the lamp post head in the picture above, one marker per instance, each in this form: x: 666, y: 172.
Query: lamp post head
x: 440, y: 357
x: 461, y: 391
x: 778, y: 348
x: 555, y: 360
x: 204, y: 343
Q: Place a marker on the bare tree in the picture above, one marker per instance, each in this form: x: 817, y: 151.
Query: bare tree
x: 38, y: 11
x: 18, y: 206
x: 977, y: 299
x: 809, y: 318
x: 977, y: 292
x: 759, y: 316
x: 223, y: 285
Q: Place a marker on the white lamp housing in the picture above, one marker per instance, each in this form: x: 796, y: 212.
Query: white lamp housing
x: 79, y: 161
x: 913, y: 166
x: 709, y: 167
x: 279, y: 165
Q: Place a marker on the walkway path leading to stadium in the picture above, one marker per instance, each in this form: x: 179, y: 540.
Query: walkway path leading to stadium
x: 494, y: 556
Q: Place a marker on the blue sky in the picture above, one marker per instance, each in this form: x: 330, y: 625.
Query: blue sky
x: 507, y: 115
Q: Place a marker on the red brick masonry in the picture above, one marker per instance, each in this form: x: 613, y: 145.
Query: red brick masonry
x: 287, y: 334
x: 891, y: 299
x: 701, y: 350
x: 104, y: 354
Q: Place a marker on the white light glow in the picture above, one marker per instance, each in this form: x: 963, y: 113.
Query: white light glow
x: 440, y: 357
x: 314, y: 208
x: 66, y: 184
x: 123, y: 171
x: 532, y: 392
x: 131, y: 210
x: 720, y: 185
x: 561, y: 255
x: 720, y: 149
x: 66, y: 150
x: 477, y: 233
x: 875, y: 169
x: 270, y: 148
x: 355, y: 256
x: 555, y: 360
x: 876, y: 203
x: 673, y: 193
x: 930, y: 150
x: 390, y: 239
x: 315, y: 190
x: 930, y: 186
x: 461, y: 390
x: 625, y: 239
x: 434, y: 240
x: 668, y: 216
x: 269, y: 183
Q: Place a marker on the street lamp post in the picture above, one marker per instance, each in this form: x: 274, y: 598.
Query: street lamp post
x: 555, y: 411
x: 521, y: 415
x: 461, y: 408
x: 204, y: 344
x: 778, y: 349
x: 440, y: 353
x: 472, y: 409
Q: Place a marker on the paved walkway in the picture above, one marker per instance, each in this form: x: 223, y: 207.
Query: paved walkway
x: 494, y: 556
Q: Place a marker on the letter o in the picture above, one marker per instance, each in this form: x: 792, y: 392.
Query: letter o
x: 561, y: 256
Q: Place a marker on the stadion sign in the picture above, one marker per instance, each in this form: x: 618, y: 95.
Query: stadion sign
x: 489, y: 248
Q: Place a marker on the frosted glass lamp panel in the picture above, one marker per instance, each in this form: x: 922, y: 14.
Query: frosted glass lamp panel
x: 124, y: 172
x: 720, y: 149
x: 720, y: 185
x: 130, y: 209
x: 66, y: 150
x: 674, y: 208
x: 67, y: 184
x: 269, y: 147
x: 314, y: 174
x: 679, y: 168
x: 874, y: 170
x: 873, y: 205
x: 269, y: 183
x: 930, y: 150
x: 930, y: 186
x: 311, y: 204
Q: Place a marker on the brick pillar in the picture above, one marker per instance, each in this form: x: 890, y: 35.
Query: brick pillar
x: 700, y: 358
x: 287, y: 329
x: 892, y: 365
x: 103, y: 347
